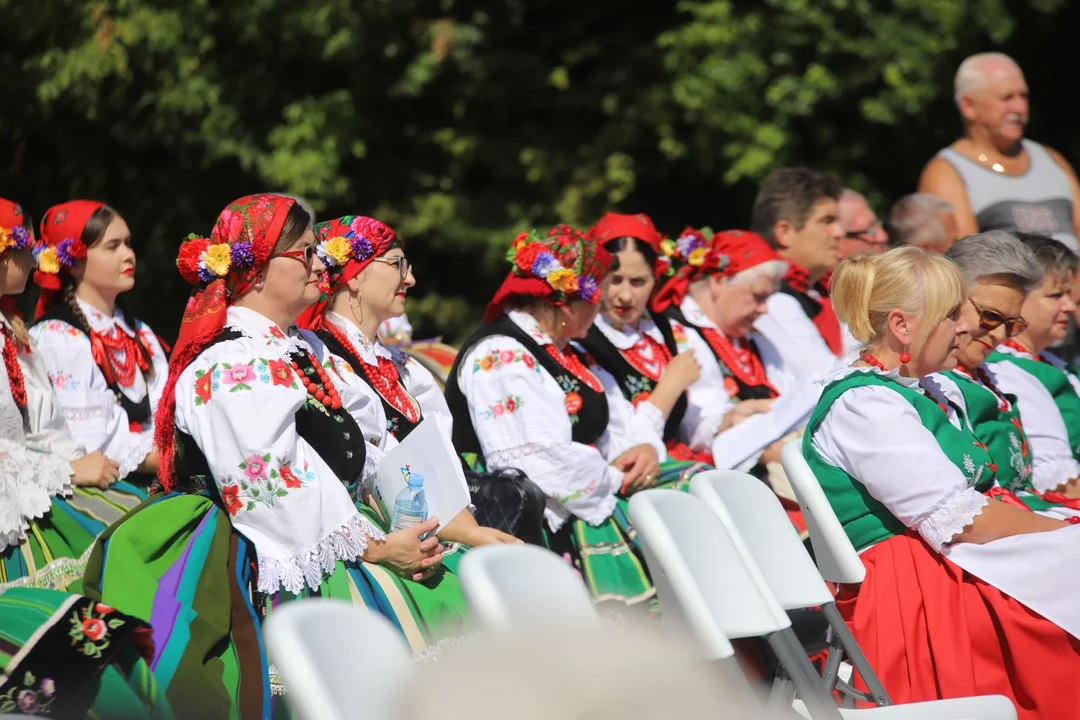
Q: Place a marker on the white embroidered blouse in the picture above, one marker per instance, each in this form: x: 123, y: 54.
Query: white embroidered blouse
x: 519, y: 413
x: 93, y: 413
x: 1053, y: 461
x: 238, y: 401
x: 35, y: 451
x: 802, y: 350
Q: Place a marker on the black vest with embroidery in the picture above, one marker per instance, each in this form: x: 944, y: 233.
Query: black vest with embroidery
x: 631, y: 380
x: 332, y: 434
x: 588, y: 423
x: 397, y: 422
x: 137, y: 412
x: 744, y: 391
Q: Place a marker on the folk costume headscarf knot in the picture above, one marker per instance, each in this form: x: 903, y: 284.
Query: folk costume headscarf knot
x: 60, y: 247
x: 696, y: 254
x: 346, y: 246
x: 222, y: 268
x: 561, y: 267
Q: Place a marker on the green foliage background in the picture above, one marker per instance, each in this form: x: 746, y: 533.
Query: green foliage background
x: 461, y: 122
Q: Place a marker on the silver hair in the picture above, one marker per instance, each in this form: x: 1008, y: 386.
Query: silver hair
x: 970, y: 76
x: 915, y: 219
x: 772, y: 269
x: 996, y: 253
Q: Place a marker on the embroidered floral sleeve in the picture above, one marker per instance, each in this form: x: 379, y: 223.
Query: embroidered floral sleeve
x: 520, y: 416
x: 93, y: 414
x: 238, y: 401
x: 876, y: 436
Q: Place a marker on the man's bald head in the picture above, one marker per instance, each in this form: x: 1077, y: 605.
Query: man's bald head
x: 981, y: 70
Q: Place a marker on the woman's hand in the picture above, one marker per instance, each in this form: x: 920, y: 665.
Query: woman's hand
x: 490, y: 536
x: 406, y: 553
x: 94, y: 470
x: 640, y: 467
x: 683, y: 369
x: 743, y: 410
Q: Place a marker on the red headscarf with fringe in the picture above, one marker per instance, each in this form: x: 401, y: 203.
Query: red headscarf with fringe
x: 699, y: 253
x: 60, y: 246
x: 222, y: 267
x: 346, y: 246
x: 563, y: 266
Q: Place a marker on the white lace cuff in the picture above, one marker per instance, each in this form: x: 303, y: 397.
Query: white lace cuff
x: 30, y: 480
x: 651, y: 414
x: 1050, y: 475
x: 705, y: 432
x: 143, y: 444
x: 952, y: 516
x: 346, y: 543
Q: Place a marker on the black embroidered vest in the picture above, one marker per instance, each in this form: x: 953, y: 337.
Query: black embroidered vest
x: 632, y: 381
x: 743, y: 391
x: 588, y: 423
x: 397, y: 423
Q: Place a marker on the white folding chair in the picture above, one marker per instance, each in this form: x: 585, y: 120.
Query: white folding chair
x: 707, y: 586
x: 337, y: 660
x: 515, y: 586
x: 726, y: 592
x: 750, y: 510
x: 836, y: 557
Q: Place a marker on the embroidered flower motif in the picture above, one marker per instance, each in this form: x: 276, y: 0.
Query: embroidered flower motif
x: 91, y: 627
x: 276, y: 333
x: 506, y: 356
x: 291, y: 481
x: 239, y: 375
x: 230, y: 495
x: 730, y: 386
x: 255, y: 467
x: 506, y: 406
x: 573, y: 403
x: 281, y: 372
x: 203, y: 386
x: 28, y: 697
x: 94, y: 628
x: 498, y: 359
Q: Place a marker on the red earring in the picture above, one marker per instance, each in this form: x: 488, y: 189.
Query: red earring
x: 905, y: 357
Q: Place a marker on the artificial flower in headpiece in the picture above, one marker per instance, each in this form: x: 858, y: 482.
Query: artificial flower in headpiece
x: 60, y: 246
x: 13, y: 232
x: 561, y: 267
x: 222, y: 268
x: 346, y: 246
x: 696, y: 254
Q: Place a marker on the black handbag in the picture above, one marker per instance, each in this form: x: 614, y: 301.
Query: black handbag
x: 507, y: 500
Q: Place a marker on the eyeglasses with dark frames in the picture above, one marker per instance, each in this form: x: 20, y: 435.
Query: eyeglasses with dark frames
x: 991, y: 319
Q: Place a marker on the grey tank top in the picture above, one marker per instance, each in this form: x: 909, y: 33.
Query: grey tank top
x: 1039, y: 201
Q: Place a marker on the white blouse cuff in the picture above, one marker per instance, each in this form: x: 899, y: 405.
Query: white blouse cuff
x: 30, y: 483
x: 952, y: 516
x: 705, y: 432
x: 346, y: 543
x: 143, y: 445
x: 1053, y: 474
x: 652, y: 415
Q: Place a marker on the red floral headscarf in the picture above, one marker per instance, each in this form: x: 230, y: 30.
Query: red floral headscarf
x: 696, y: 254
x: 60, y: 247
x: 14, y: 235
x: 222, y: 267
x: 560, y: 267
x: 346, y: 246
x: 613, y: 226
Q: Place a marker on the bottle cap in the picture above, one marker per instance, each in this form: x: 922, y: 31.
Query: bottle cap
x: 415, y: 480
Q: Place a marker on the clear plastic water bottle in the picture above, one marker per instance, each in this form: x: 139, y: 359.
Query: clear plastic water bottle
x: 410, y: 505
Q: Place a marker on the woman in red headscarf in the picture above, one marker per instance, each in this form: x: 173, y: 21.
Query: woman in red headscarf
x: 261, y: 452
x: 525, y: 396
x: 54, y: 498
x: 108, y: 368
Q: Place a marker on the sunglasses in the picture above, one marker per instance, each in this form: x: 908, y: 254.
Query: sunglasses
x: 305, y: 255
x: 856, y: 234
x: 402, y: 264
x: 992, y: 319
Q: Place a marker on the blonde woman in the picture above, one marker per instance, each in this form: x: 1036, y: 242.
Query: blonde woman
x: 964, y: 595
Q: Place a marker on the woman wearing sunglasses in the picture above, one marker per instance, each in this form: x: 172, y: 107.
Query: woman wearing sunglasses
x: 1046, y: 392
x: 999, y: 272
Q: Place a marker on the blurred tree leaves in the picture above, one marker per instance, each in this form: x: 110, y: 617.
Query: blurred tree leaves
x: 461, y: 122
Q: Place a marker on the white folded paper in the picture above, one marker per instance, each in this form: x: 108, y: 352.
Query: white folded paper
x: 789, y: 412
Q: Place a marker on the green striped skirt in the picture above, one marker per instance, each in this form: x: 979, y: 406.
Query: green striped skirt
x: 609, y: 556
x: 177, y: 562
x: 56, y: 547
x: 68, y: 656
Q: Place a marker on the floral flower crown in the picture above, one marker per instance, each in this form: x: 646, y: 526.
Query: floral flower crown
x: 50, y: 259
x: 691, y: 253
x: 563, y: 260
x: 16, y: 238
x: 201, y: 261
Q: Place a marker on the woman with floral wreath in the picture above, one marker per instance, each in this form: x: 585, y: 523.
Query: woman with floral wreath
x: 260, y: 456
x: 54, y: 498
x: 107, y: 367
x: 524, y: 395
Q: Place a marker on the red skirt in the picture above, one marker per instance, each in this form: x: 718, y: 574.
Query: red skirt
x: 933, y: 631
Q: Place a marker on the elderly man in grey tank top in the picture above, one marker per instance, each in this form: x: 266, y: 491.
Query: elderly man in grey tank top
x: 994, y: 177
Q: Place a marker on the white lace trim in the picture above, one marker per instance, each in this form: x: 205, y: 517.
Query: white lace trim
x: 143, y: 445
x: 30, y: 480
x: 57, y: 575
x: 653, y: 416
x: 1051, y: 475
x: 952, y: 516
x: 346, y: 543
x: 87, y: 414
x: 504, y: 458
